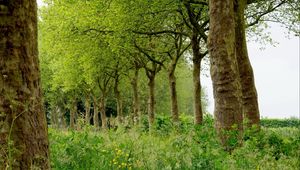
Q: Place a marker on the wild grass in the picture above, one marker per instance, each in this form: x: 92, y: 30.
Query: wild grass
x: 187, y: 147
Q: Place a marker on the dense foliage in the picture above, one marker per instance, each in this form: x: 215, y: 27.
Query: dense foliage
x: 277, y: 123
x: 188, y: 147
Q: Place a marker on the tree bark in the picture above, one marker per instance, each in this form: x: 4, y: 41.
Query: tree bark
x: 87, y: 109
x: 118, y: 100
x: 197, y: 57
x: 151, y: 100
x: 63, y: 123
x: 73, y: 112
x: 250, y: 101
x: 173, y: 93
x: 54, y: 117
x: 96, y: 112
x: 103, y: 112
x: 224, y: 71
x: 22, y: 118
x: 136, y: 99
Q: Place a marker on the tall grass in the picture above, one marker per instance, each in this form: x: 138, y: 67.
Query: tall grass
x: 187, y: 147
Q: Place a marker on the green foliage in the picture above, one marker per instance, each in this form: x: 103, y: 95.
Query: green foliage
x: 276, y: 123
x: 195, y: 148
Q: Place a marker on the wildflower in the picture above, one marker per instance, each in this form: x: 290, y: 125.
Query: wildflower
x: 119, y: 152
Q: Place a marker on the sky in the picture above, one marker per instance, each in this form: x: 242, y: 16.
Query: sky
x: 276, y: 71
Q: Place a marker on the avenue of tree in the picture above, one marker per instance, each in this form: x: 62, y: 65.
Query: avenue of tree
x: 126, y: 59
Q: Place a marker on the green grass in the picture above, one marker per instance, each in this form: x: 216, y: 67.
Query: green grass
x: 186, y: 147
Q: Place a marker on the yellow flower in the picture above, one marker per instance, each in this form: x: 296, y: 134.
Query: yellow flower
x: 119, y: 152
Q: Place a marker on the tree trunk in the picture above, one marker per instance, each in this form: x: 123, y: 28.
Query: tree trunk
x: 96, y: 112
x: 224, y: 71
x: 73, y: 112
x: 173, y: 93
x: 197, y: 57
x: 119, y: 104
x: 103, y: 113
x: 54, y: 117
x: 63, y: 123
x: 87, y: 109
x: 22, y: 118
x: 250, y: 101
x: 151, y: 100
x: 120, y: 108
x: 136, y: 99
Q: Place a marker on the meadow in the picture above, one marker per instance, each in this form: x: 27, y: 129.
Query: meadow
x: 184, y: 147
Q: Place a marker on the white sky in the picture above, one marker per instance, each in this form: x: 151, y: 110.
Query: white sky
x: 40, y: 2
x: 276, y: 71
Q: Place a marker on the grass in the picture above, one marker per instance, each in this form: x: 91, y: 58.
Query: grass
x: 188, y: 147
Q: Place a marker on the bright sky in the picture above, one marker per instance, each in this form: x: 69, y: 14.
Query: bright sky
x: 276, y: 71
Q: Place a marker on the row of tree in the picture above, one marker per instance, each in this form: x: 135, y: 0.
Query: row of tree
x: 88, y: 47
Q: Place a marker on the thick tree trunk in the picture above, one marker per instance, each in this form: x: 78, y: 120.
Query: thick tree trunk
x: 73, y: 112
x: 87, y: 109
x: 250, y: 101
x: 22, y: 118
x: 197, y: 57
x: 224, y: 70
x: 96, y: 113
x: 173, y: 93
x: 151, y: 100
x: 136, y: 99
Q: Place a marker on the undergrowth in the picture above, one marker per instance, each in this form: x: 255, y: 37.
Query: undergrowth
x: 186, y: 147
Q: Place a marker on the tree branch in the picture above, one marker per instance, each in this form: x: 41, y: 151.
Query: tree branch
x: 160, y: 32
x: 269, y: 10
x: 147, y: 55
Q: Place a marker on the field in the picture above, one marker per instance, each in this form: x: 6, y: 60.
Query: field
x: 186, y: 147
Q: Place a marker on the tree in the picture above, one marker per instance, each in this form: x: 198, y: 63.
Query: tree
x: 22, y: 121
x: 197, y: 21
x: 152, y: 68
x: 249, y: 94
x: 135, y: 88
x: 224, y: 70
